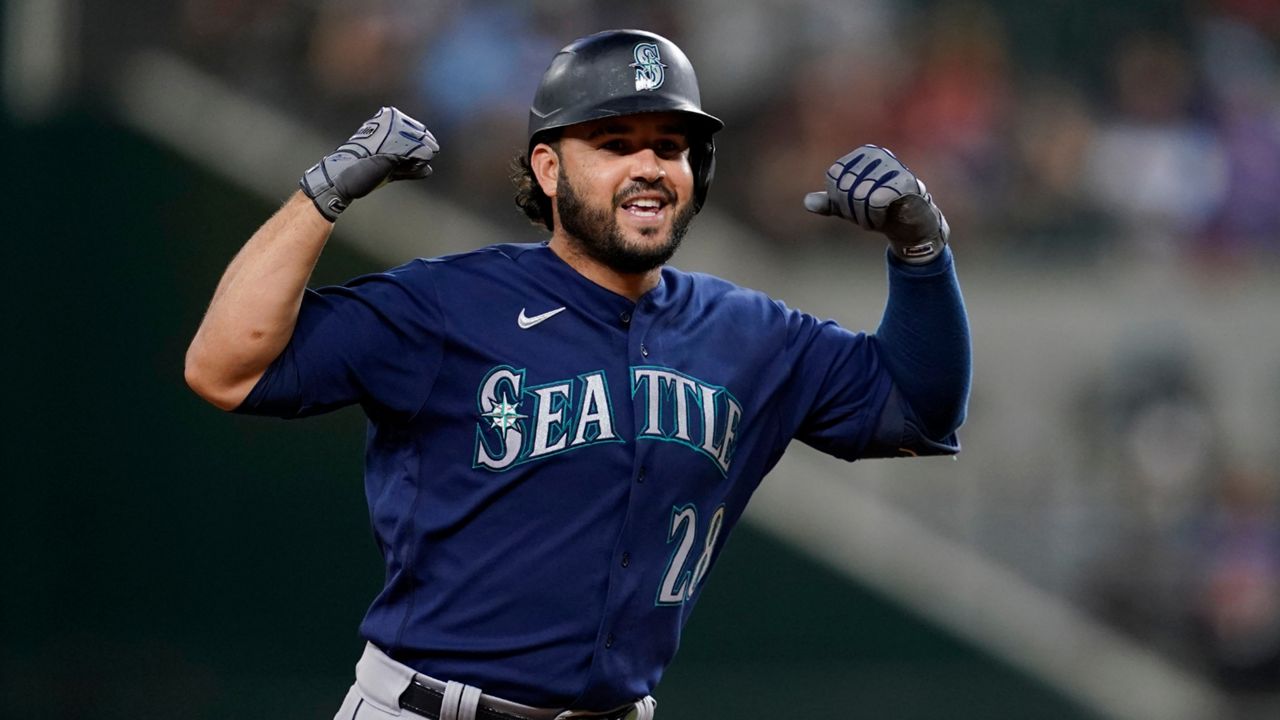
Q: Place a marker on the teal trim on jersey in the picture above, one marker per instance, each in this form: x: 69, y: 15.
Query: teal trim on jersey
x: 691, y: 534
x: 665, y: 437
x: 691, y: 446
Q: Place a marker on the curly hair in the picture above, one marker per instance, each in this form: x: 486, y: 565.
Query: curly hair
x: 529, y: 196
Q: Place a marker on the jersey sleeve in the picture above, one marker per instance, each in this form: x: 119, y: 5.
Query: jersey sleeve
x: 836, y: 385
x: 377, y: 340
x: 843, y: 401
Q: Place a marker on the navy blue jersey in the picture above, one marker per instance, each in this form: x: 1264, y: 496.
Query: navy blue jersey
x: 552, y: 469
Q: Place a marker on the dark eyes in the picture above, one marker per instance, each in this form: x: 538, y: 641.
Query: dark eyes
x: 668, y: 147
x: 663, y: 147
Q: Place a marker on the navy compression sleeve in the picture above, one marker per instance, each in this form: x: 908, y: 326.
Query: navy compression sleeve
x: 923, y: 341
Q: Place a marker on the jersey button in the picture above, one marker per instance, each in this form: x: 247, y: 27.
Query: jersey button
x: 608, y: 641
x: 644, y: 351
x: 626, y: 559
x: 640, y: 476
x: 625, y: 318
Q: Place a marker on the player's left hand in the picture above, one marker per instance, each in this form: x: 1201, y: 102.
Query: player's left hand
x: 873, y: 189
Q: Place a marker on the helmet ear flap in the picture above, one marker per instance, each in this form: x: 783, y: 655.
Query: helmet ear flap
x: 702, y: 159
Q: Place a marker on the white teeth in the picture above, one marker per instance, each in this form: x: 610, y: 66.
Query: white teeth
x: 643, y: 207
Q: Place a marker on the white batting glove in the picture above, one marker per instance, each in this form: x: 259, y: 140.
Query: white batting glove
x: 873, y: 189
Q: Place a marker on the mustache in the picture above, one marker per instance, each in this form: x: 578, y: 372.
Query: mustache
x: 640, y: 187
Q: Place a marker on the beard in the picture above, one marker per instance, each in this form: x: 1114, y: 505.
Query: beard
x: 595, y: 229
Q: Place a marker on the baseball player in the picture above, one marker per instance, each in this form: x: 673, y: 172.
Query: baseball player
x: 562, y: 434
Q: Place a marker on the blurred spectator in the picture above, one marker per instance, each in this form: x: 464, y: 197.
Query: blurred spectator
x: 477, y: 79
x: 954, y: 112
x: 362, y: 54
x: 834, y: 90
x: 1240, y: 65
x: 1074, y: 39
x: 1261, y: 14
x: 1238, y: 600
x: 995, y: 104
x: 1156, y: 445
x: 729, y: 66
x: 826, y: 112
x: 475, y: 83
x: 257, y: 43
x: 1153, y: 165
x: 1048, y: 210
x: 486, y: 60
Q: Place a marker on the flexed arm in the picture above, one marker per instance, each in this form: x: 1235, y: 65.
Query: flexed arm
x: 923, y: 337
x: 255, y: 307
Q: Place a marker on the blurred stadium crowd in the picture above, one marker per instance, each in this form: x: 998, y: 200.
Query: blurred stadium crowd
x: 1075, y: 129
x: 1079, y: 132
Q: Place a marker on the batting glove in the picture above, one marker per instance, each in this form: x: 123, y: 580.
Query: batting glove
x: 390, y: 146
x: 872, y: 188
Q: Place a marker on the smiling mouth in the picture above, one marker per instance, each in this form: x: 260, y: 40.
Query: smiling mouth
x: 644, y: 207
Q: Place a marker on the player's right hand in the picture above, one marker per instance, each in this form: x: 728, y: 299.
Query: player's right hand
x: 389, y: 146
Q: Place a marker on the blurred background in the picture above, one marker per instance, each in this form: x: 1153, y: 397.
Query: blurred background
x: 1106, y: 546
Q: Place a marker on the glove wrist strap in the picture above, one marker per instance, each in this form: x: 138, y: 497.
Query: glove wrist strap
x: 917, y: 252
x: 315, y: 183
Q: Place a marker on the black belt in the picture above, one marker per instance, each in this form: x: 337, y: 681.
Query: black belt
x: 426, y: 702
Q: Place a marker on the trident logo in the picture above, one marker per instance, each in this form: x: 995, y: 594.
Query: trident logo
x: 649, y: 67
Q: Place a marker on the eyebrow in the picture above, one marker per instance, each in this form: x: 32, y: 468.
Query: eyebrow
x: 624, y: 128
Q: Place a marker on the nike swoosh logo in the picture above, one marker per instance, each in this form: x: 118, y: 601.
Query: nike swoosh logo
x: 525, y: 322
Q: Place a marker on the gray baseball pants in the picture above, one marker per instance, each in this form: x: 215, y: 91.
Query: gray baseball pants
x: 380, y: 681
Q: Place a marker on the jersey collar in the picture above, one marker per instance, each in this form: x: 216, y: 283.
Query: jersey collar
x: 544, y: 262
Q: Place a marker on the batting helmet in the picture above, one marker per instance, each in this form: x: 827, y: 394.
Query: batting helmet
x: 624, y: 72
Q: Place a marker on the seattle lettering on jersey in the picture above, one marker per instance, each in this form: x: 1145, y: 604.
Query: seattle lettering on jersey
x: 520, y: 423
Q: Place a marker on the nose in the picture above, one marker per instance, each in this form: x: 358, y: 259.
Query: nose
x: 646, y: 166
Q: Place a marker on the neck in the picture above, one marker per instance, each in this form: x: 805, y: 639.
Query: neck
x: 629, y: 285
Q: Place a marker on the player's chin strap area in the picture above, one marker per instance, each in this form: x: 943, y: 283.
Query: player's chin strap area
x: 393, y: 687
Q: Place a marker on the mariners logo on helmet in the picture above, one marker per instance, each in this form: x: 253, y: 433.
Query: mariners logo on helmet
x: 592, y: 78
x: 649, y: 67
